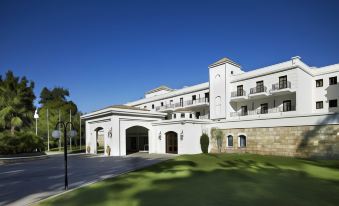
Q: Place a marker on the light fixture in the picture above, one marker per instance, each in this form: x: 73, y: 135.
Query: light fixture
x: 160, y: 135
x: 56, y: 134
x: 182, y: 135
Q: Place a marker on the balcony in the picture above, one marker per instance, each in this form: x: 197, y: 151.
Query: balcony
x: 258, y: 92
x: 281, y: 88
x: 238, y: 96
x: 263, y: 111
x: 184, y: 104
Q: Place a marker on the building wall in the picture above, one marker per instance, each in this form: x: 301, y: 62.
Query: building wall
x: 300, y: 141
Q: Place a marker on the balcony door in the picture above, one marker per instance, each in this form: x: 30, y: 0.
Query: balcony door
x: 240, y: 90
x: 260, y: 86
x: 287, y: 106
x: 283, y: 82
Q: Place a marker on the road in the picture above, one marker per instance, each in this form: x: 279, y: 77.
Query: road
x: 27, y: 182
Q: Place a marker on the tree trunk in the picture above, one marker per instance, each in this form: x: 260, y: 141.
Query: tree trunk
x: 12, y: 130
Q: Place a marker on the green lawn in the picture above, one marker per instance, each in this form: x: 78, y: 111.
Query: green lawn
x: 239, y: 179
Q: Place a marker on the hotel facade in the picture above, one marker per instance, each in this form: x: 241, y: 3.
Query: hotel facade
x: 288, y: 109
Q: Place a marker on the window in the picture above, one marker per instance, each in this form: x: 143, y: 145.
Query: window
x: 174, y: 116
x: 217, y: 105
x: 260, y: 86
x: 319, y: 105
x: 197, y: 115
x: 145, y: 107
x: 171, y: 101
x: 182, y: 115
x: 264, y: 108
x: 191, y: 116
x: 194, y: 97
x: 152, y: 106
x: 319, y: 83
x: 333, y: 103
x: 242, y: 141
x: 229, y: 141
x: 231, y: 72
x: 181, y: 102
x: 333, y: 80
x: 162, y: 104
x: 240, y: 90
x: 283, y: 82
x: 287, y: 106
x: 207, y: 96
x: 243, y: 110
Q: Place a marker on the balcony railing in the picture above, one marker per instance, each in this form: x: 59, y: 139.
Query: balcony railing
x: 279, y: 86
x: 262, y: 111
x: 239, y: 93
x: 259, y: 89
x: 183, y: 104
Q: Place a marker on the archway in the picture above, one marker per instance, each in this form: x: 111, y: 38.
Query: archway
x: 172, y: 142
x: 136, y: 139
x: 100, y: 139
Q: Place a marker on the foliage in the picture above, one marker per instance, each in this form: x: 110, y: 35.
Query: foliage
x: 55, y: 101
x: 204, y: 143
x: 20, y: 142
x: 218, y: 135
x: 16, y: 102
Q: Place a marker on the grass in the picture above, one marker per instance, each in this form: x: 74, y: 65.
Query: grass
x: 227, y: 179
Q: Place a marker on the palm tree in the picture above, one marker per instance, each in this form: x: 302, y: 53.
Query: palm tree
x: 16, y: 102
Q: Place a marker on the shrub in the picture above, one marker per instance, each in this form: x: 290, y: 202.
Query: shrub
x: 204, y: 143
x: 88, y: 149
x: 108, y: 150
x: 23, y: 142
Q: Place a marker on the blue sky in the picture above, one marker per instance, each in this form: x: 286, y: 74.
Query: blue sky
x: 111, y: 52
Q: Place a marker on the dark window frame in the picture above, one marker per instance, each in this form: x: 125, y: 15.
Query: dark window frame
x: 332, y: 103
x: 260, y: 86
x: 264, y: 108
x: 283, y: 82
x: 240, y: 90
x: 319, y: 83
x: 242, y: 141
x: 319, y: 105
x: 230, y: 140
x: 333, y: 80
x: 287, y: 106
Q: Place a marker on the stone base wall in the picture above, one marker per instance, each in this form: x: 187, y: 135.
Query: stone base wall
x: 299, y: 141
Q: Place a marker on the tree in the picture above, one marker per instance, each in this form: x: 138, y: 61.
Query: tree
x: 16, y: 102
x: 217, y: 134
x: 204, y: 142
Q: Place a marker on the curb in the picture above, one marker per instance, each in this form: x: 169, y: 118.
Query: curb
x: 21, y: 159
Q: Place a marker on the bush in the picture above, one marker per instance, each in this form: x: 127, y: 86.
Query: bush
x: 204, y: 143
x: 23, y: 142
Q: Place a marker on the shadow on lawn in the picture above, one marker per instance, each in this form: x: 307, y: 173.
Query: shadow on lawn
x: 232, y: 182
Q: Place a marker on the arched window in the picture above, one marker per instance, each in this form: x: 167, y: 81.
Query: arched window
x: 229, y: 141
x: 242, y: 141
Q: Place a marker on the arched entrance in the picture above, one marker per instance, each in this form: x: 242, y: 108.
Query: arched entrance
x: 100, y: 139
x: 136, y: 139
x: 172, y: 142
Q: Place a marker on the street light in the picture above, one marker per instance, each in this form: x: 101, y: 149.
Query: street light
x: 57, y: 134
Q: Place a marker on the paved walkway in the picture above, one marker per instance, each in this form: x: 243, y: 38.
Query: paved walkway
x: 27, y: 182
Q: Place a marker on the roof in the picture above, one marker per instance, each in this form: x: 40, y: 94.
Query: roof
x: 162, y: 87
x: 127, y: 107
x: 223, y: 61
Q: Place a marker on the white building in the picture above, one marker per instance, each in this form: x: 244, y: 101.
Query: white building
x: 288, y: 108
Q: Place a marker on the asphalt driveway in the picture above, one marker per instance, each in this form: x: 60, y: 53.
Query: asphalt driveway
x: 27, y: 182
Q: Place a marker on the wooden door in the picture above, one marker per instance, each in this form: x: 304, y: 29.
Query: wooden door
x: 171, y: 142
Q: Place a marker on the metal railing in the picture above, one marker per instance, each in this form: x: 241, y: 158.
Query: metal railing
x: 279, y: 86
x: 263, y: 111
x: 258, y: 89
x: 239, y: 93
x: 183, y: 104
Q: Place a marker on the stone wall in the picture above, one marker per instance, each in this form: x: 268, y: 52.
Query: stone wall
x: 300, y: 141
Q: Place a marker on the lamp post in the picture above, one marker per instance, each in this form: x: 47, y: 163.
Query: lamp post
x: 57, y: 134
x: 36, y: 117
